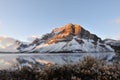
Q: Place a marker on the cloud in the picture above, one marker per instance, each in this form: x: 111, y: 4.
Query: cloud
x: 33, y: 37
x: 117, y: 21
x: 118, y: 37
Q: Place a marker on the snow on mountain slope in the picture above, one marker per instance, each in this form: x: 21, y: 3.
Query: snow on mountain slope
x: 115, y: 44
x: 112, y: 42
x: 68, y: 38
x: 50, y: 47
x: 73, y: 46
x: 8, y: 44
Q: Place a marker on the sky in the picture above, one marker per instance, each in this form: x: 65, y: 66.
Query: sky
x: 21, y: 19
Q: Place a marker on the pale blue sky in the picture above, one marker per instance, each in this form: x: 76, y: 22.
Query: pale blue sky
x: 23, y: 18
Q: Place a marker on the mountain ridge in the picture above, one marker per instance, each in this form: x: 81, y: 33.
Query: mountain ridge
x: 68, y: 38
x: 68, y: 31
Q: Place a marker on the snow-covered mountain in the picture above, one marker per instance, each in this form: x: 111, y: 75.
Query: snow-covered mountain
x: 115, y: 44
x: 112, y: 42
x: 8, y: 44
x: 68, y: 38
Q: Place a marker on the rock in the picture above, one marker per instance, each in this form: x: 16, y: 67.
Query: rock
x: 69, y: 38
x: 69, y: 31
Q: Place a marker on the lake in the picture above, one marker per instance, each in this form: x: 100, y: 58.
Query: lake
x: 27, y: 59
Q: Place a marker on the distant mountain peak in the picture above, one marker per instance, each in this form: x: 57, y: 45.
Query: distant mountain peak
x: 67, y: 33
x: 68, y: 29
x: 68, y: 38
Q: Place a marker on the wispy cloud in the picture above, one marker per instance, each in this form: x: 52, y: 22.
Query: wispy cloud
x: 33, y: 37
x: 118, y: 37
x: 117, y: 21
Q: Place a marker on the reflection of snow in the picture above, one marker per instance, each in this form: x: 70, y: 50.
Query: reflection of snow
x: 8, y: 60
x: 3, y: 47
x: 43, y: 61
x: 1, y: 60
x: 4, y: 64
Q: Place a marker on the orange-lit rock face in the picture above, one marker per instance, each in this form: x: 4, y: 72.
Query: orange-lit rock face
x: 78, y: 29
x: 68, y: 29
x: 67, y: 33
x: 64, y: 32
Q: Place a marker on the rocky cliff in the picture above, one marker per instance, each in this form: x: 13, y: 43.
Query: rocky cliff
x: 70, y: 38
